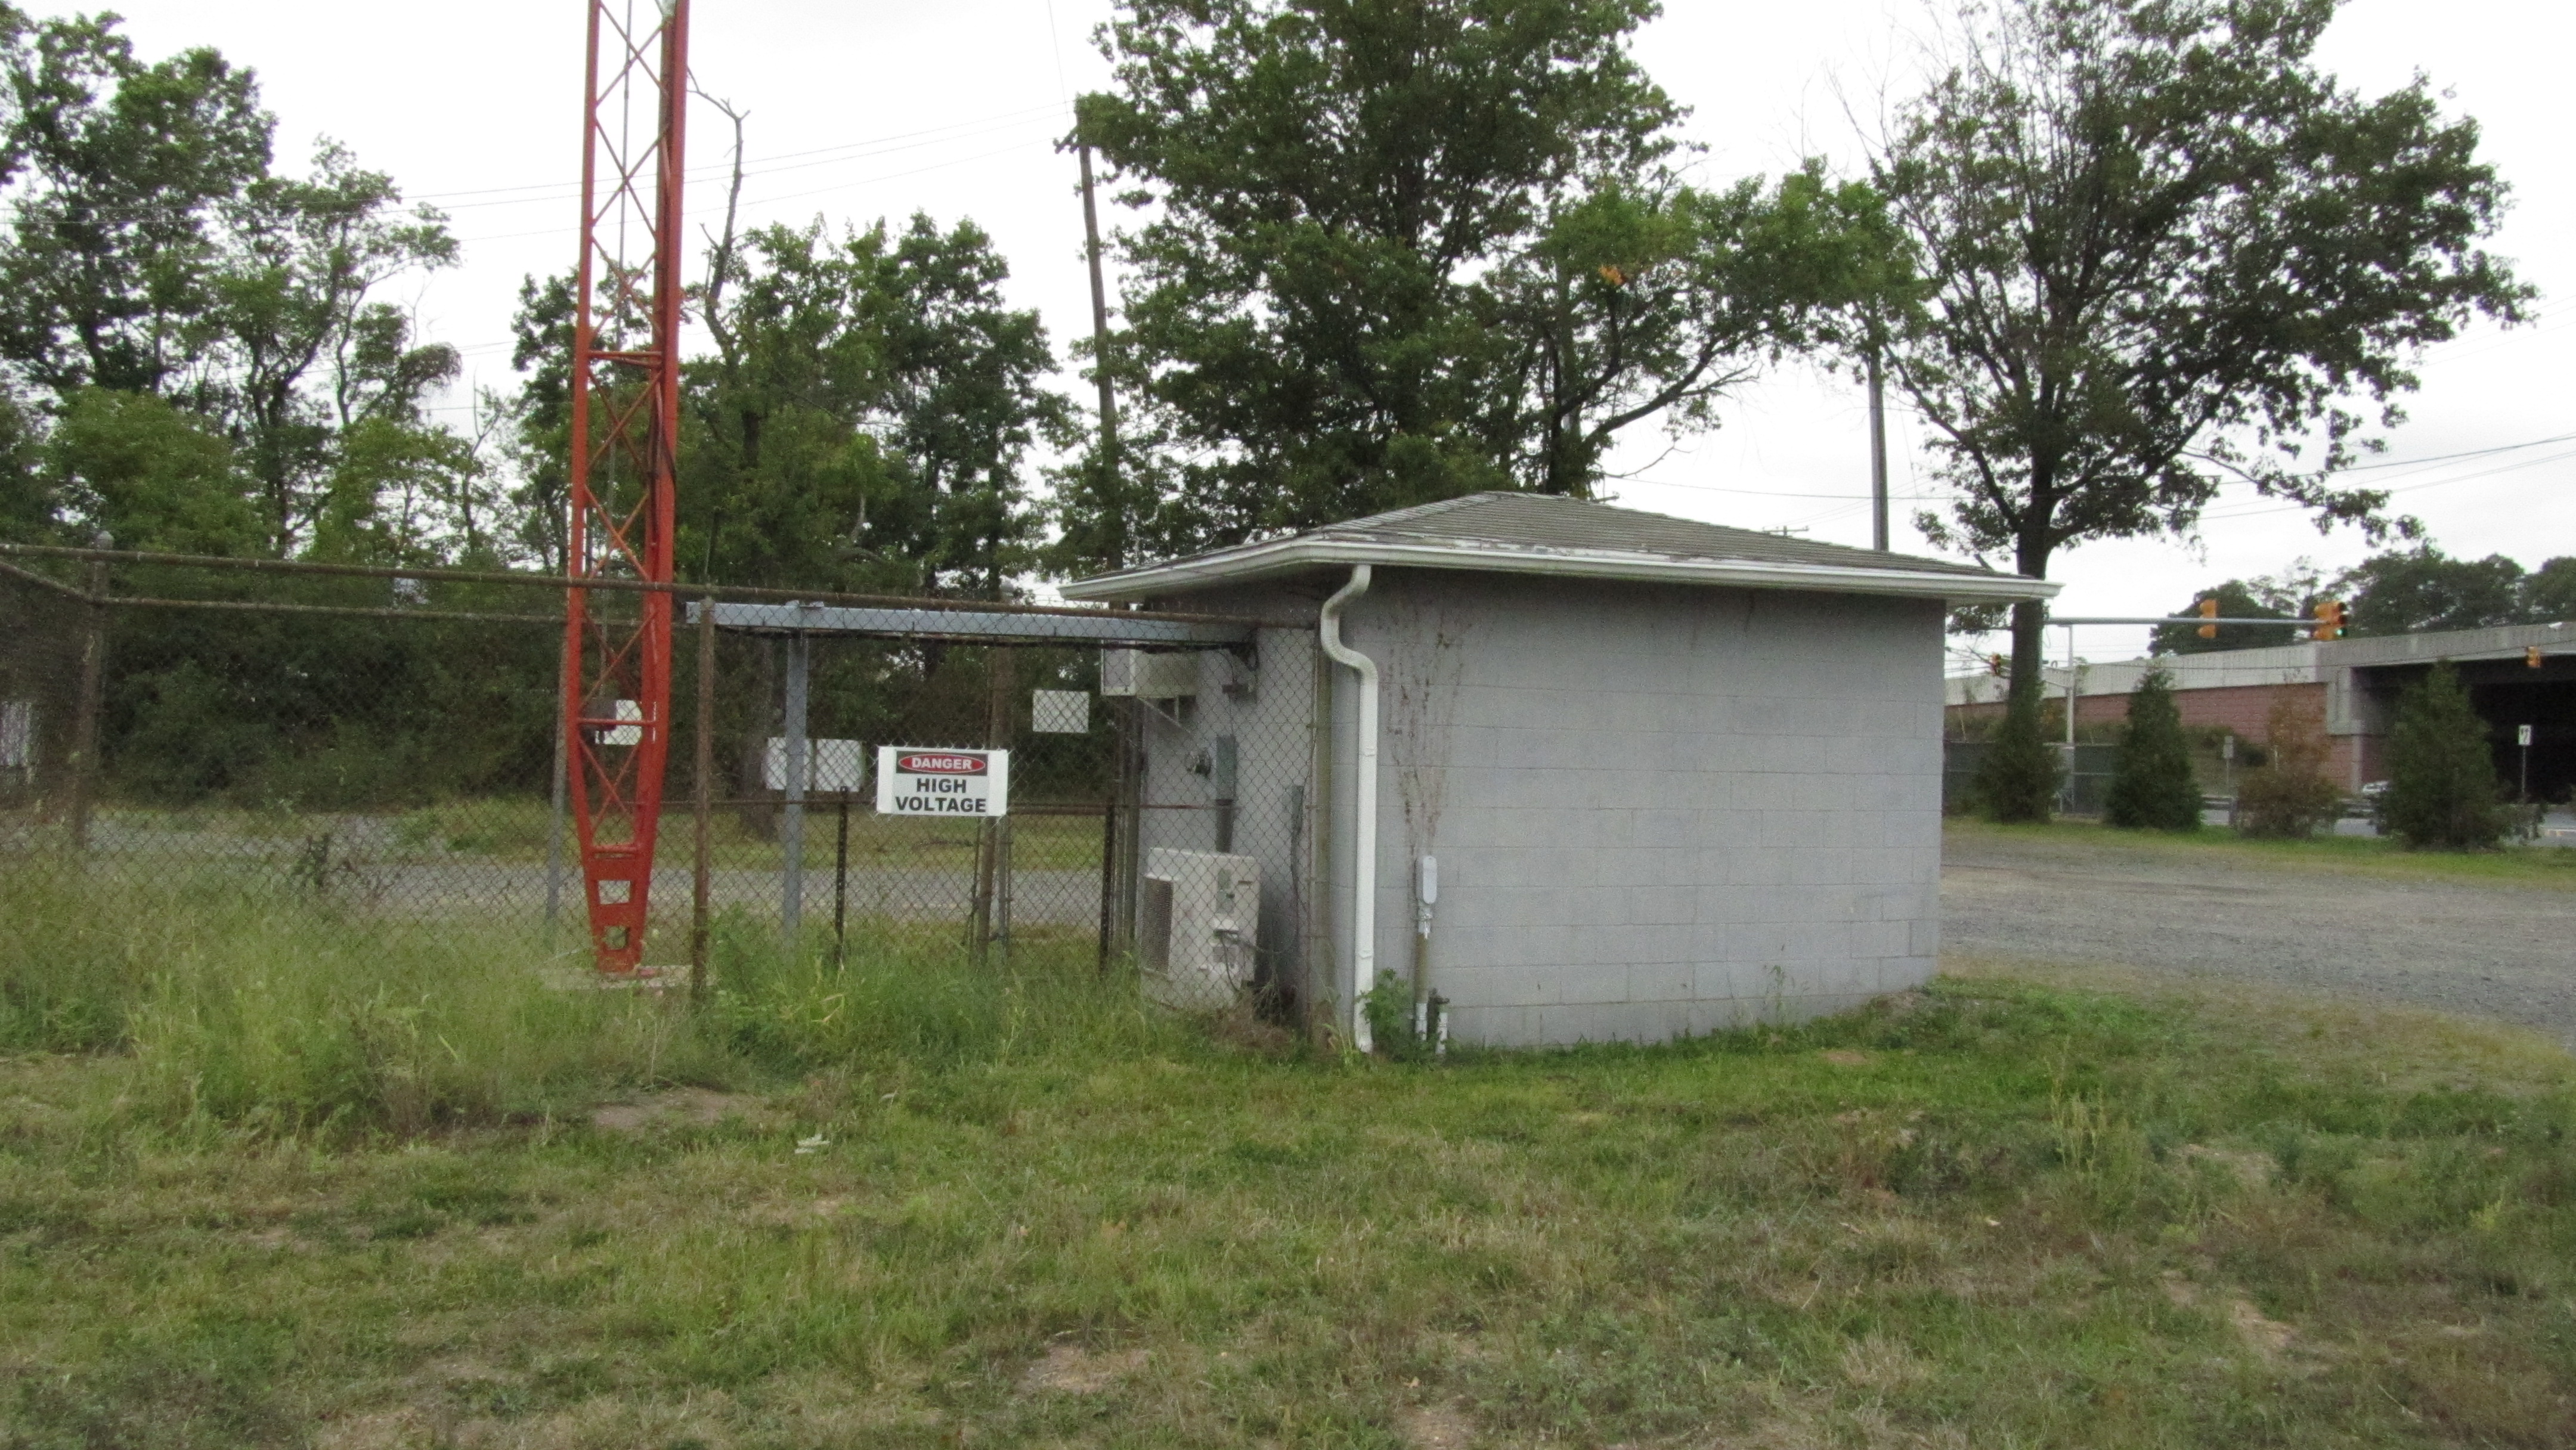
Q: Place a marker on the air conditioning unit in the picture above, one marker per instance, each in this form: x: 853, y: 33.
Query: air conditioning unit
x: 1202, y: 916
x: 1145, y: 676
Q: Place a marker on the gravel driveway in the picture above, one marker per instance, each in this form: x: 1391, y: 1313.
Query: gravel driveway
x: 2489, y: 950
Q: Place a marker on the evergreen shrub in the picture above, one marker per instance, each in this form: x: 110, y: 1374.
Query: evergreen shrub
x: 2153, y: 787
x: 2442, y: 792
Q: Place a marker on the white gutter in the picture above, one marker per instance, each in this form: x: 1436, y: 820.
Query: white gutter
x: 1289, y: 555
x: 1364, y: 868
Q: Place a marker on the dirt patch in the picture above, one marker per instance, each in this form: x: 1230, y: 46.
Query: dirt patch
x: 678, y: 1108
x: 1070, y: 1369
x: 1845, y: 1057
x: 2267, y: 1337
x: 1435, y: 1427
x: 2254, y: 1170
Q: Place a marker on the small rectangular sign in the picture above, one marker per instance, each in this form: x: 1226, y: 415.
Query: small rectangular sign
x: 914, y: 781
x: 1060, y: 712
x: 832, y: 767
x: 2525, y: 732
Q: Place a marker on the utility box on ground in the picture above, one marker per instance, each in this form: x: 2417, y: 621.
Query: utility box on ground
x: 1202, y: 918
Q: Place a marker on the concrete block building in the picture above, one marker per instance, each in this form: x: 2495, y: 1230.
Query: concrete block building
x: 1669, y: 776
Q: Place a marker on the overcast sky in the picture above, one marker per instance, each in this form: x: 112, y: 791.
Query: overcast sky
x: 864, y: 108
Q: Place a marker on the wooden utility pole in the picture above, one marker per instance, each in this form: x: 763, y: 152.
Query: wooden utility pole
x: 1877, y: 454
x: 1113, y: 497
x: 1113, y: 492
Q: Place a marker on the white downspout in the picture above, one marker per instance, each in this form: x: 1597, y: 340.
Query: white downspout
x: 1364, y: 871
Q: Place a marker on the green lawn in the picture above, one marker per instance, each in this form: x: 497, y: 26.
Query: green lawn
x: 401, y: 1198
x: 2551, y: 867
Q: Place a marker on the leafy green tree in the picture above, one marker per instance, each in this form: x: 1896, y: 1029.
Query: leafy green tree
x: 31, y: 506
x: 779, y: 463
x: 965, y: 376
x: 1402, y: 250
x: 2549, y: 592
x: 2160, y: 249
x: 538, y: 418
x: 2442, y: 792
x: 867, y: 417
x: 297, y: 352
x: 2236, y: 600
x: 119, y: 174
x: 152, y: 476
x: 2152, y: 785
x: 153, y: 253
x: 2422, y: 589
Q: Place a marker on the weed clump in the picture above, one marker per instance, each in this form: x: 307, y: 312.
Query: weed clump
x: 2289, y: 796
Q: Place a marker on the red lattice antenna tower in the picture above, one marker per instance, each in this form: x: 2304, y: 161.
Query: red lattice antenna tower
x: 625, y: 437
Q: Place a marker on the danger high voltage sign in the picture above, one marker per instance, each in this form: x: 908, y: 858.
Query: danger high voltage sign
x: 915, y: 782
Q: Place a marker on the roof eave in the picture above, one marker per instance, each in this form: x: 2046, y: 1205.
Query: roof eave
x: 1287, y: 556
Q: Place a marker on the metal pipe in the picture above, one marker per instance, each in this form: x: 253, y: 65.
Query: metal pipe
x: 606, y: 584
x: 1364, y: 862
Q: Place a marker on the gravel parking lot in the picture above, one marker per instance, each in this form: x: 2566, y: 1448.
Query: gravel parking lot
x: 2494, y: 951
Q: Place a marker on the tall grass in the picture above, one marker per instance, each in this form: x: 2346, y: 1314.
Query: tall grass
x: 291, y: 1014
x: 910, y: 996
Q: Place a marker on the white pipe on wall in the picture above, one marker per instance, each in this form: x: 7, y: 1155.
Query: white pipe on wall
x: 1364, y: 870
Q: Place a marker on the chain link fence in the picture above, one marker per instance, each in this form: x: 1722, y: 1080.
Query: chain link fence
x: 391, y: 746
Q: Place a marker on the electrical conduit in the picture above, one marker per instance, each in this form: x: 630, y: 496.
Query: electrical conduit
x: 1364, y: 870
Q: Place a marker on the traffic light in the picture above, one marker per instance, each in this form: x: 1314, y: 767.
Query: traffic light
x: 2330, y: 620
x: 2209, y: 610
x: 2531, y: 655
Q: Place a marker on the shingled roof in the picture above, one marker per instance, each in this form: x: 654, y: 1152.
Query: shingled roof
x: 1529, y: 533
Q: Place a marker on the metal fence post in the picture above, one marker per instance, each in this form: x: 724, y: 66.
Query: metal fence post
x: 791, y: 825
x: 702, y: 801
x: 841, y: 886
x: 1109, y: 830
x: 557, y: 801
x: 93, y: 689
x: 1131, y: 805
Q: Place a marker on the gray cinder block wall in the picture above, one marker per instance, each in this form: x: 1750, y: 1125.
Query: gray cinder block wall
x: 1665, y: 810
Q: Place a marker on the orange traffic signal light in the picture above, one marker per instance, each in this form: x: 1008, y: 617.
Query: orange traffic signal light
x: 2531, y: 655
x: 2209, y: 610
x: 2330, y: 620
